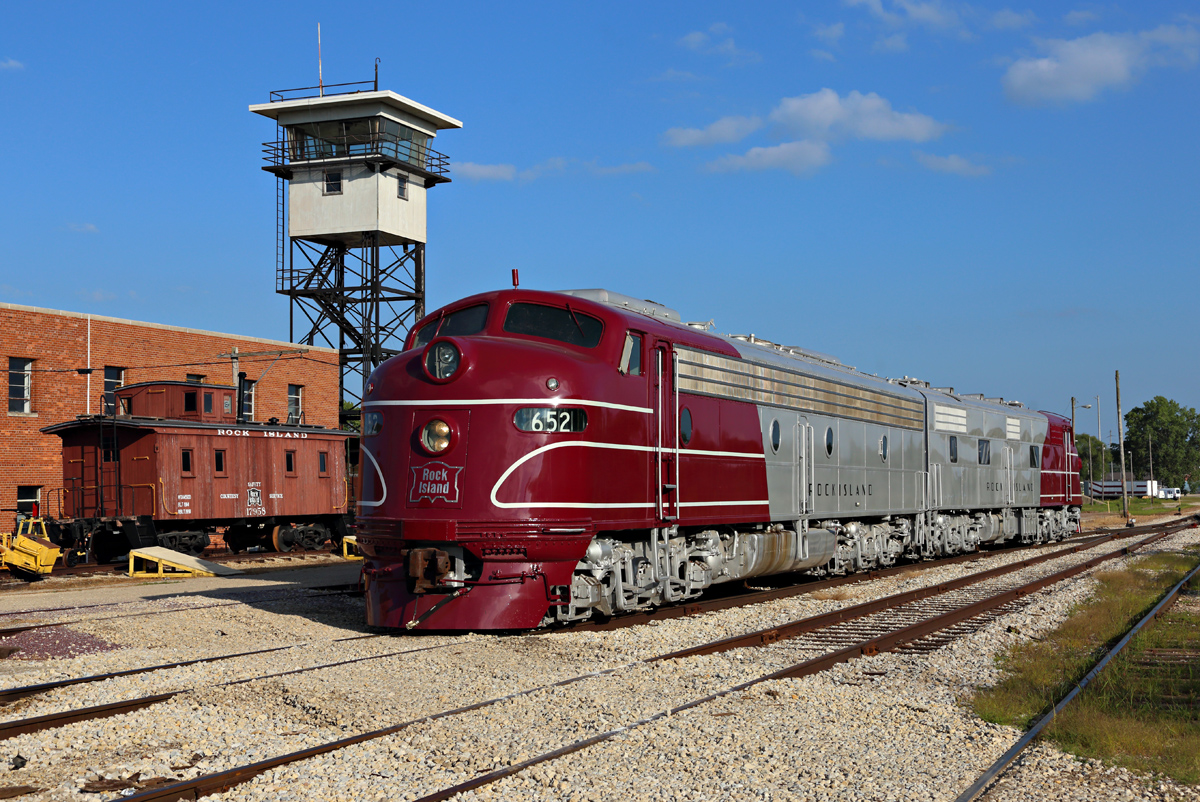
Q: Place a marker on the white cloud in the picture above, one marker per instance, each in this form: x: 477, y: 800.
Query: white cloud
x: 1080, y: 17
x: 621, y: 169
x: 555, y: 164
x: 676, y: 75
x: 702, y: 42
x: 825, y: 115
x: 484, y: 172
x: 726, y: 129
x: 799, y: 158
x: 11, y: 64
x: 927, y: 13
x: 896, y: 43
x: 1008, y: 20
x: 830, y: 33
x: 951, y: 164
x: 1080, y: 69
x: 822, y: 55
x: 83, y: 228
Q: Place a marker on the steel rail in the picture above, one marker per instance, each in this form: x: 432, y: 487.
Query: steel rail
x: 216, y: 783
x: 1008, y: 757
x: 813, y: 666
x: 10, y: 729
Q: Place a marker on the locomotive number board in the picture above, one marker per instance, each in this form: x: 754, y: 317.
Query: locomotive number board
x: 725, y: 377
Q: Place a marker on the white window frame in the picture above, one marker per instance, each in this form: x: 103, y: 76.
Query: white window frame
x: 248, y: 403
x: 341, y: 182
x: 299, y: 396
x: 110, y: 396
x: 36, y: 499
x: 402, y: 186
x: 27, y: 405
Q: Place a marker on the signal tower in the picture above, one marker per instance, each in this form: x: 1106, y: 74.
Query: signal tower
x: 353, y: 166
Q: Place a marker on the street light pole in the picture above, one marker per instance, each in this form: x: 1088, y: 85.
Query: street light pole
x: 1091, y: 476
x: 1121, y: 441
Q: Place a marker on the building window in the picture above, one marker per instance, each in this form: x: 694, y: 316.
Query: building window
x: 189, y: 402
x: 196, y: 378
x: 953, y: 449
x: 20, y: 384
x: 985, y: 452
x: 108, y: 444
x: 208, y: 402
x: 113, y: 378
x: 295, y: 402
x: 402, y: 187
x: 323, y: 463
x: 27, y: 496
x: 185, y: 462
x: 248, y: 400
x: 333, y: 182
x: 219, y: 461
x: 289, y: 458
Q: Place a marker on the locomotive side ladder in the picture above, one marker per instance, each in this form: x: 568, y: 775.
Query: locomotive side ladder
x: 666, y: 446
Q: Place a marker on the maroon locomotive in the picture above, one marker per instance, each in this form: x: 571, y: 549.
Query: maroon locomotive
x: 177, y: 461
x: 536, y: 457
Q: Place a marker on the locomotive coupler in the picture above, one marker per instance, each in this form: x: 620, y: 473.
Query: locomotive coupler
x: 427, y: 568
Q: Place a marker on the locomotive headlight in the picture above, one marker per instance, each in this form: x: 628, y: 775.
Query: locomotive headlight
x: 442, y: 360
x: 436, y: 436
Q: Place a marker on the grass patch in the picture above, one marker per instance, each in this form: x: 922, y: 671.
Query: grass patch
x: 1143, y: 712
x: 1140, y: 506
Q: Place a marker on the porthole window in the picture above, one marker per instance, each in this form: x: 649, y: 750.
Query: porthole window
x: 685, y: 425
x: 883, y: 448
x: 829, y: 442
x: 775, y: 436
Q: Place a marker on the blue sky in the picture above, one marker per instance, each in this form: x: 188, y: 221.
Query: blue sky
x: 999, y: 197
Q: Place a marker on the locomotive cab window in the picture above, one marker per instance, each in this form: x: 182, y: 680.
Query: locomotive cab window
x: 1033, y: 456
x: 953, y: 449
x: 883, y: 446
x: 460, y: 323
x: 289, y: 461
x: 985, y: 452
x: 775, y: 437
x: 564, y: 324
x: 185, y: 462
x: 631, y: 355
x: 829, y: 442
x: 685, y: 425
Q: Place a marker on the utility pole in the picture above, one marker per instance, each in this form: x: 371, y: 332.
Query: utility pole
x: 1151, y: 434
x: 1121, y: 440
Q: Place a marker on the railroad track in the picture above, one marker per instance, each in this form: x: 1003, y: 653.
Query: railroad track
x: 901, y: 630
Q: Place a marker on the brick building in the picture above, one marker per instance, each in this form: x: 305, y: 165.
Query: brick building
x: 47, y: 354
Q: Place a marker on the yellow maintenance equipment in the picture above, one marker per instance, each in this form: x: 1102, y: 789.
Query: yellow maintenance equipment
x: 29, y: 550
x: 350, y: 548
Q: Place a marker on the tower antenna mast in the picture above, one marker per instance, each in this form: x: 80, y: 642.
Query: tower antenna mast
x: 320, y: 73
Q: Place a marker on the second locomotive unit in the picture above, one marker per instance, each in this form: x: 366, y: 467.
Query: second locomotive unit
x: 537, y: 457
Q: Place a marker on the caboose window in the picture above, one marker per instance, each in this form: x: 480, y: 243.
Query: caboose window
x: 554, y: 323
x: 208, y: 402
x: 322, y: 463
x: 189, y: 402
x: 289, y: 459
x: 985, y: 452
x: 219, y: 460
x: 185, y: 461
x: 1033, y: 456
x: 461, y: 323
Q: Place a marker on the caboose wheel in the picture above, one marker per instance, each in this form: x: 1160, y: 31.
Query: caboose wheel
x: 283, y: 538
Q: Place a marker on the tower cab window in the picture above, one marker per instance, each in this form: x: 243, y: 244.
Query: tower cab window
x: 631, y: 355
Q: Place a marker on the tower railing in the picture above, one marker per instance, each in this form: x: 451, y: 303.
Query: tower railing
x: 302, y: 92
x: 382, y: 144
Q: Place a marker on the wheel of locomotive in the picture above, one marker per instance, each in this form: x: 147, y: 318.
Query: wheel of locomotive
x: 283, y: 538
x: 237, y: 539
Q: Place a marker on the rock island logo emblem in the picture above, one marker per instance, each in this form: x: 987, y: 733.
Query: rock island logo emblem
x: 433, y: 481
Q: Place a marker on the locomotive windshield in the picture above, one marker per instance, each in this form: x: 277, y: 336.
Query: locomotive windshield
x: 459, y: 323
x: 554, y: 323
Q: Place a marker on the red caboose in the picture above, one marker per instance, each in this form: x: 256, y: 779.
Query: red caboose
x: 178, y: 460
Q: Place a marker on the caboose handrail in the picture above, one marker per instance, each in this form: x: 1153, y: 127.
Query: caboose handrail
x: 162, y: 497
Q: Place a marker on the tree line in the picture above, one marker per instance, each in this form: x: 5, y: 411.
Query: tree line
x: 1160, y: 429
